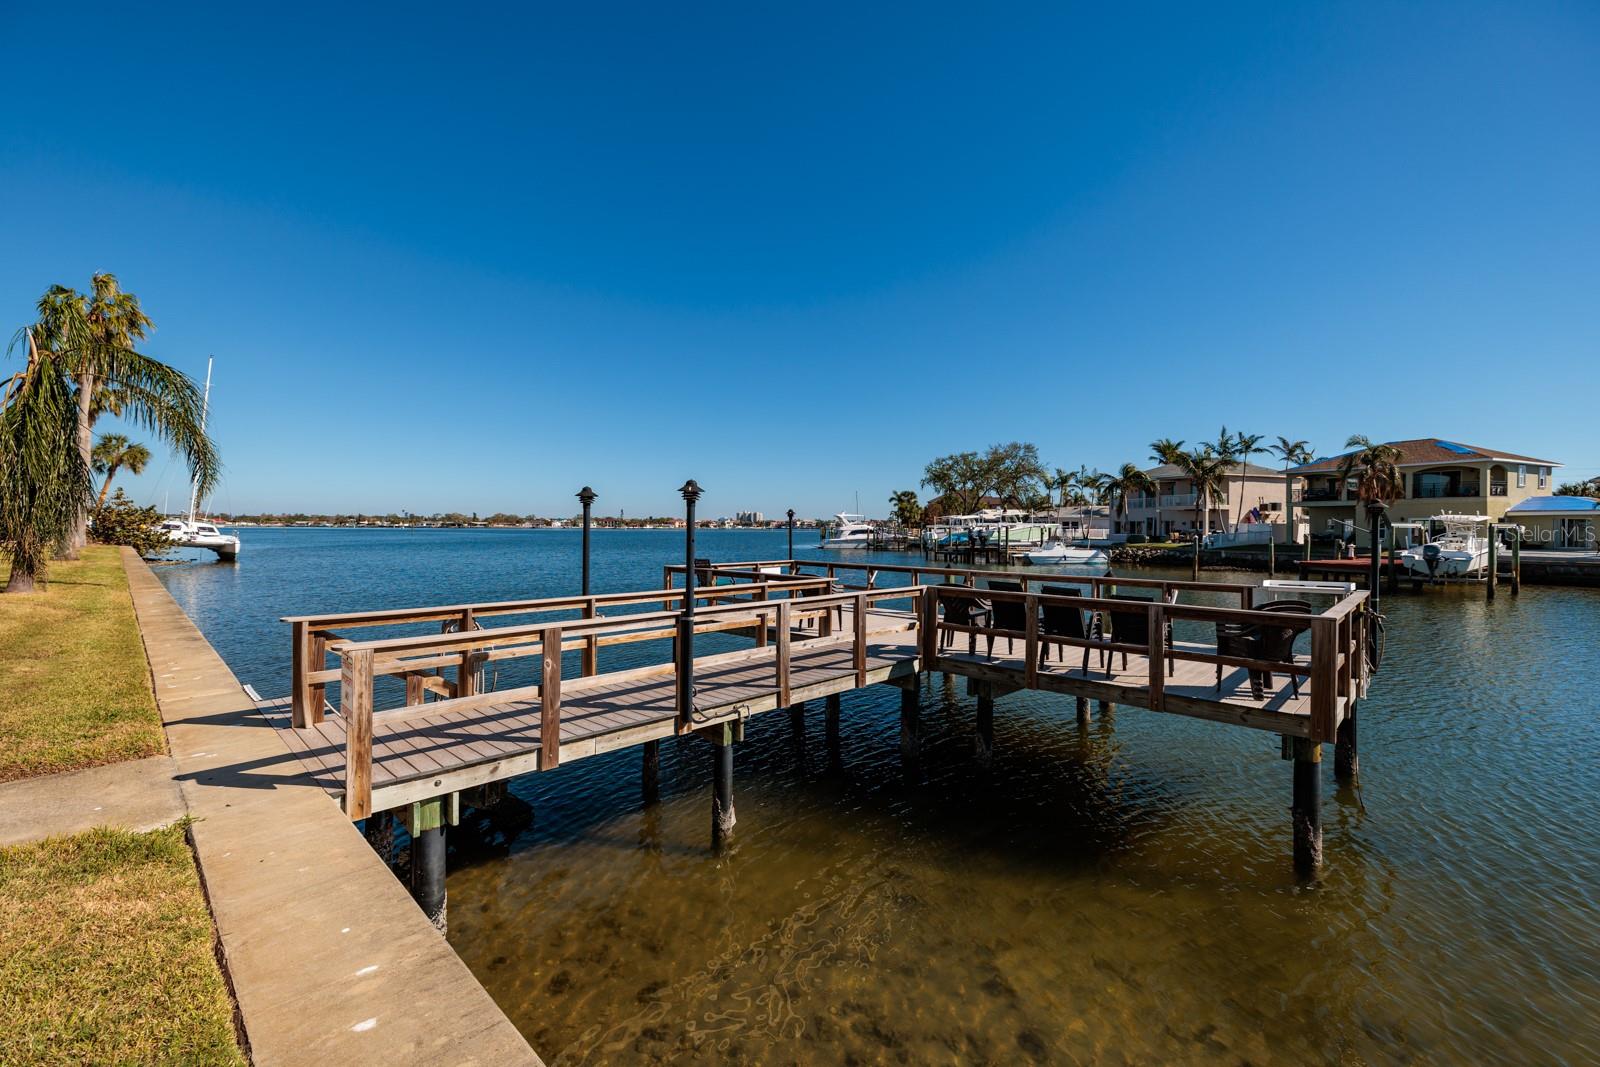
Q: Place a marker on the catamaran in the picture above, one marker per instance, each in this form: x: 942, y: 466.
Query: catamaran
x: 190, y: 532
x: 1459, y: 550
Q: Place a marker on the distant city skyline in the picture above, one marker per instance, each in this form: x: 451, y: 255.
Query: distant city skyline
x: 795, y: 254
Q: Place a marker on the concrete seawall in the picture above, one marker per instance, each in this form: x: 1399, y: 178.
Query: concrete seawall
x: 329, y: 958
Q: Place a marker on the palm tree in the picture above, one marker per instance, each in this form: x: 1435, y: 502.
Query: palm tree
x: 1245, y: 445
x: 93, y: 337
x: 1116, y: 487
x: 1293, y: 454
x: 904, y: 507
x: 1162, y: 450
x: 113, y: 452
x: 44, y: 482
x: 1207, y: 470
x: 1379, y: 478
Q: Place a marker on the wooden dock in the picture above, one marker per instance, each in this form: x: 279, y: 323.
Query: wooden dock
x: 811, y: 635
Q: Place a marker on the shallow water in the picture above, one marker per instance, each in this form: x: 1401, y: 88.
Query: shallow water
x: 1120, y: 893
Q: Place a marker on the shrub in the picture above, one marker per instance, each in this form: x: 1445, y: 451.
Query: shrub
x: 122, y: 522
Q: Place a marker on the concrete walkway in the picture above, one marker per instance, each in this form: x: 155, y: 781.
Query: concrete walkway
x: 330, y: 959
x: 134, y: 795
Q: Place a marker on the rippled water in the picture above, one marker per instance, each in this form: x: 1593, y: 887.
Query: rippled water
x: 1121, y: 893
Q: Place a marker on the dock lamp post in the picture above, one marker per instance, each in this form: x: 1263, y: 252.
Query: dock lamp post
x: 691, y: 493
x: 1375, y: 510
x: 791, y: 534
x: 586, y: 498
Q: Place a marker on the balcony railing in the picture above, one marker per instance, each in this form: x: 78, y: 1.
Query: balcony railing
x: 1311, y: 496
x: 1434, y: 492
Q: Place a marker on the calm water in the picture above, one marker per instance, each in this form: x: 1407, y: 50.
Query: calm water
x: 1116, y: 894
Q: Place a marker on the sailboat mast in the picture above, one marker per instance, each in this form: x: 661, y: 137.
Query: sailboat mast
x: 205, y: 410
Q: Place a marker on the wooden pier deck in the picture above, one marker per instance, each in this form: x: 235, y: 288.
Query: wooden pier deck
x: 811, y: 635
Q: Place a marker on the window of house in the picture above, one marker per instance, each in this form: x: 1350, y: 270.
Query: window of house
x: 1522, y: 475
x: 1544, y: 476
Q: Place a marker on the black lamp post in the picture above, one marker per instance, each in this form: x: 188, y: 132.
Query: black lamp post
x: 691, y: 493
x: 586, y: 498
x: 791, y: 533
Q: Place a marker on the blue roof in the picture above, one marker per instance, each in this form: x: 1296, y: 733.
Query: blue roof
x: 1451, y: 446
x: 1555, y: 505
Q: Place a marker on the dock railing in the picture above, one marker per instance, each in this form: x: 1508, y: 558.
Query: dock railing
x: 312, y: 636
x: 778, y: 608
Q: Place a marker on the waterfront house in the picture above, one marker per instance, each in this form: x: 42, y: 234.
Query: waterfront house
x: 1558, y: 521
x: 1174, y: 508
x: 1436, y: 475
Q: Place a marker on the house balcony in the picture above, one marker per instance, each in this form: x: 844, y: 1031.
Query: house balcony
x: 1318, y: 496
x: 1435, y: 492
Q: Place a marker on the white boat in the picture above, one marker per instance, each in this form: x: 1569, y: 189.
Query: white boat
x: 1458, y: 550
x: 1061, y: 552
x: 993, y: 527
x: 847, y: 531
x: 188, y: 533
x: 194, y: 533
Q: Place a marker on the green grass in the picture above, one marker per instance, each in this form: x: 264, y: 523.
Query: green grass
x: 74, y: 682
x: 108, y: 954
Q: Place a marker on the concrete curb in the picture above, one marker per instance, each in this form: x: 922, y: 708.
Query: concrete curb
x: 330, y: 959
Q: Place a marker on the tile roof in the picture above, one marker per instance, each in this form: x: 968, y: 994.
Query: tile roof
x: 1427, y: 451
x: 1252, y: 470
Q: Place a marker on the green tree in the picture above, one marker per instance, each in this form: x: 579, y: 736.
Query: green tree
x: 1116, y: 488
x: 1015, y: 472
x: 1206, y: 471
x: 122, y: 522
x: 93, y: 337
x: 1375, y: 467
x: 1162, y: 449
x: 111, y: 453
x: 44, y: 481
x: 904, y: 507
x: 1245, y: 445
x: 959, y: 479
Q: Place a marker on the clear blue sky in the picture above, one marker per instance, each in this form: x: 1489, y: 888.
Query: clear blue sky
x: 454, y: 259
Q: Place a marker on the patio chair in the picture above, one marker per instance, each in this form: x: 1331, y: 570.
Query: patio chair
x: 963, y: 611
x: 1241, y: 639
x: 1132, y: 627
x: 1277, y: 642
x: 1007, y: 614
x: 1068, y: 620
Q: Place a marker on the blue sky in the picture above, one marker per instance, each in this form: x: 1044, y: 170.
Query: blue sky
x: 453, y: 259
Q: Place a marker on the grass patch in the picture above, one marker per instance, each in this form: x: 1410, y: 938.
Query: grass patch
x: 108, y: 954
x: 74, y: 682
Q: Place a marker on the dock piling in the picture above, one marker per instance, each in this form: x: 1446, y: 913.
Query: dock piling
x: 910, y: 728
x: 1307, y: 807
x: 1346, y: 761
x: 1083, y: 711
x: 650, y: 774
x: 983, y: 735
x: 426, y: 824
x: 722, y: 816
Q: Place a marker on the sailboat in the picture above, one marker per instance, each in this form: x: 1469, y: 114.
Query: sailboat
x: 191, y: 532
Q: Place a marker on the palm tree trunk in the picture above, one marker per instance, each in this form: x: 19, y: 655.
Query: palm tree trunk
x: 21, y: 581
x: 105, y: 486
x: 78, y: 535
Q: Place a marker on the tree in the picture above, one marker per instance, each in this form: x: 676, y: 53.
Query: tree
x: 44, y: 481
x: 1589, y: 488
x: 1244, y: 446
x: 1375, y: 467
x: 93, y: 338
x: 960, y: 479
x: 1206, y: 470
x: 904, y: 508
x: 1116, y: 487
x: 1014, y: 472
x: 1162, y: 449
x: 122, y: 522
x: 111, y: 453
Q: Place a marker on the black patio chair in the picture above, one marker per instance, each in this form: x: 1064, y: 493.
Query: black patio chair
x: 1068, y: 620
x: 1243, y: 640
x: 1007, y: 614
x: 1277, y: 642
x: 1132, y: 627
x: 963, y: 611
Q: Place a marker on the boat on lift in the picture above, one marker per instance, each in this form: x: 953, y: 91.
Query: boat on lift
x: 1460, y: 548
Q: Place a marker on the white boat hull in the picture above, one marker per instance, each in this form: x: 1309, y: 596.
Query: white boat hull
x: 844, y: 542
x: 1066, y: 554
x: 1449, y: 563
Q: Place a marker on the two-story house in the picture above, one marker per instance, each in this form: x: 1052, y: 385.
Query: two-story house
x: 1437, y: 476
x: 1175, y: 507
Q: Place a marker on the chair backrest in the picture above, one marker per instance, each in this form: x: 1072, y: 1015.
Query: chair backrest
x: 1065, y: 620
x: 1130, y: 627
x: 702, y: 572
x: 1004, y: 586
x: 1292, y: 606
x: 1008, y: 614
x: 958, y: 609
